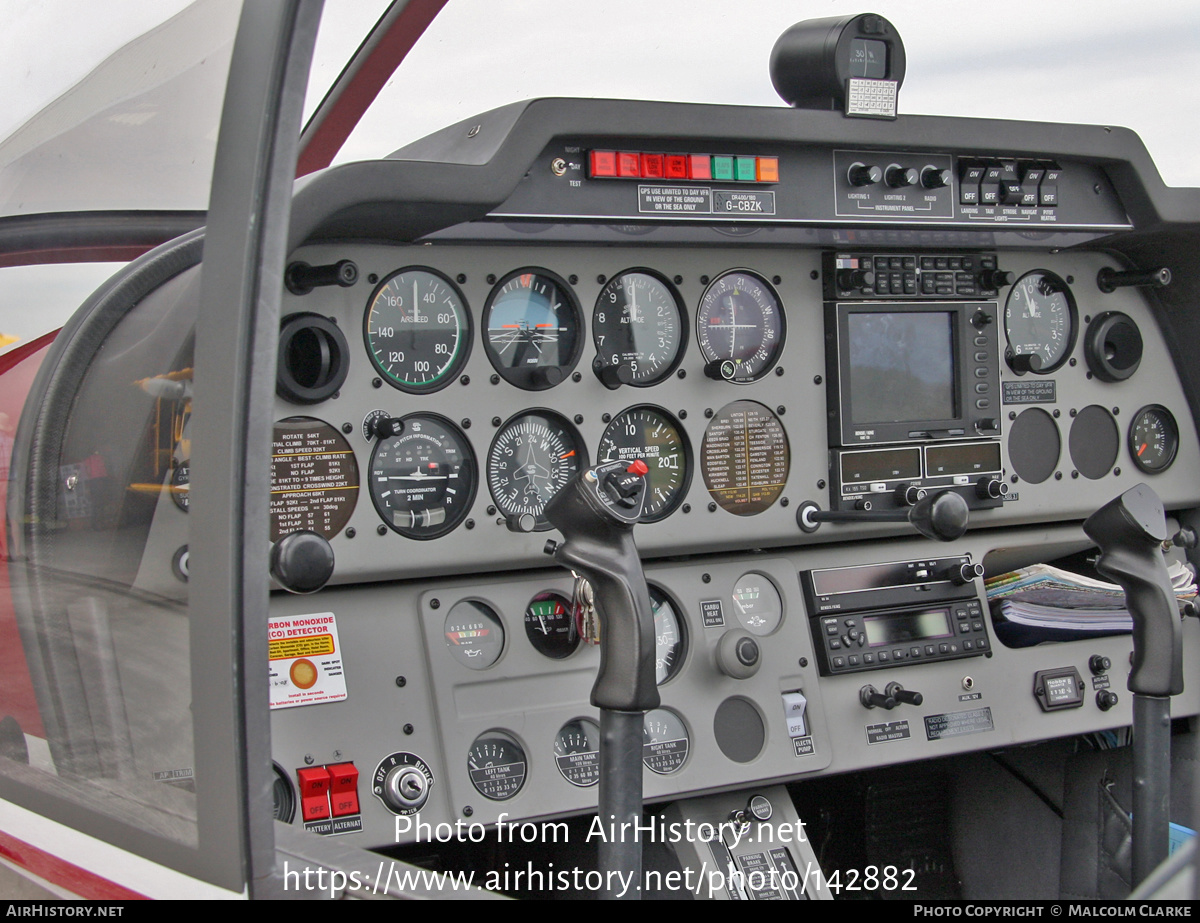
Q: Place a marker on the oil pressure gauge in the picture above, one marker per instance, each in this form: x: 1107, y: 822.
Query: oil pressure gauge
x: 1153, y: 439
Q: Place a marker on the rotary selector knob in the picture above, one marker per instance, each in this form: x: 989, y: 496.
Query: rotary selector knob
x: 934, y: 178
x: 898, y: 177
x: 861, y: 174
x: 849, y: 280
x: 990, y: 489
x: 1106, y: 699
x: 402, y: 782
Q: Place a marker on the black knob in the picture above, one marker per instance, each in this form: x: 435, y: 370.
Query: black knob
x: 962, y: 574
x: 870, y: 697
x: 901, y: 695
x: 302, y: 562
x: 987, y: 425
x: 720, y: 369
x: 860, y: 174
x: 386, y: 427
x: 613, y: 376
x: 850, y: 279
x: 301, y: 278
x: 1108, y: 280
x: 981, y: 319
x: 547, y: 376
x: 908, y: 494
x: 1098, y: 664
x: 942, y: 516
x: 1106, y: 699
x: 990, y: 489
x: 520, y: 522
x: 933, y: 178
x: 898, y: 177
x: 863, y: 504
x: 1025, y: 362
x: 992, y: 279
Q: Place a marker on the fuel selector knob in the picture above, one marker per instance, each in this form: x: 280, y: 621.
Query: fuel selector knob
x: 738, y: 654
x: 402, y: 782
x: 898, y: 177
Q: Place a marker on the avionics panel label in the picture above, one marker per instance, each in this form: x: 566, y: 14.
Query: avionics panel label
x: 743, y: 203
x: 959, y: 723
x: 674, y: 200
x: 1029, y: 392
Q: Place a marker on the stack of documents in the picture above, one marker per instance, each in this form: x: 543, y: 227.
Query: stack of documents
x: 1044, y: 603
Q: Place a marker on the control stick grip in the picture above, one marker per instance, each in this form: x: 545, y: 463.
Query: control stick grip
x: 1130, y: 531
x: 596, y: 512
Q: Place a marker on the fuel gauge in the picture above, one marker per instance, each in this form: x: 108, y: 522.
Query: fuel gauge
x: 1153, y: 439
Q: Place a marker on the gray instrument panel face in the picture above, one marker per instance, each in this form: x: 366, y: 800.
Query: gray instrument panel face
x: 393, y: 631
x: 793, y: 390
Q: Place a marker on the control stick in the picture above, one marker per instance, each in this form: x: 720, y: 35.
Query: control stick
x: 596, y: 513
x: 1130, y: 531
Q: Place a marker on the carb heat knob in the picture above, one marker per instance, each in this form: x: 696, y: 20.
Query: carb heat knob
x: 738, y: 654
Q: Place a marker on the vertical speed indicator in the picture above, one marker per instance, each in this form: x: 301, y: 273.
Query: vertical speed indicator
x: 652, y: 435
x: 418, y: 330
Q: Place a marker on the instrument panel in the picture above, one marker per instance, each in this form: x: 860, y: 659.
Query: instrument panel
x: 521, y: 365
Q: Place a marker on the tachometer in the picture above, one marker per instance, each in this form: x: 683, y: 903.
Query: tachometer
x: 1153, y: 439
x: 530, y: 460
x: 1040, y: 320
x: 531, y: 329
x: 740, y: 326
x: 652, y: 435
x: 550, y: 625
x: 418, y: 330
x: 423, y: 481
x: 639, y: 329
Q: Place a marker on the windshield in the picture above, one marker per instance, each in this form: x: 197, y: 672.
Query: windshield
x: 1036, y: 61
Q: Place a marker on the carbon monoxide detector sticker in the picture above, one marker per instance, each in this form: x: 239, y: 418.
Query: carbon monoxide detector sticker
x: 306, y: 660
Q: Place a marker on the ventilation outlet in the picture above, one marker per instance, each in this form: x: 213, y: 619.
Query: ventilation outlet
x: 313, y: 359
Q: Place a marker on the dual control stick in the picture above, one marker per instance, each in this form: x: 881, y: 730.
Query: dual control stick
x: 596, y: 513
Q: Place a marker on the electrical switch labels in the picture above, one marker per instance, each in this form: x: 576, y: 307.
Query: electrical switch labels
x: 794, y: 705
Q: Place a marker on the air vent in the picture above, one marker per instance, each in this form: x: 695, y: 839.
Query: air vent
x: 313, y: 359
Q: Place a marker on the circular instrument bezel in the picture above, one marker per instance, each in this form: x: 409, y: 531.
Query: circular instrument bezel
x: 531, y: 377
x: 551, y: 643
x: 1071, y: 316
x: 647, y: 371
x: 476, y: 615
x: 737, y: 366
x: 463, y: 335
x: 575, y: 442
x: 588, y: 762
x: 508, y: 740
x: 657, y: 507
x: 749, y: 498
x: 675, y: 760
x: 469, y: 462
x: 677, y: 654
x: 1172, y: 436
x: 763, y: 584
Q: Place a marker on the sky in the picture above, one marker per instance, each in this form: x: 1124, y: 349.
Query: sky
x: 1044, y: 60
